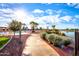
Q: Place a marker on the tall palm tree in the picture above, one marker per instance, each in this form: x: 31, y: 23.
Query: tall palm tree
x: 33, y: 25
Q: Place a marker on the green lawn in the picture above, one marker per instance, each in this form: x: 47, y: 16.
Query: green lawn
x: 3, y: 40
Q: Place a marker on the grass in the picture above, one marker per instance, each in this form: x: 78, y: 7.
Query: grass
x: 3, y: 40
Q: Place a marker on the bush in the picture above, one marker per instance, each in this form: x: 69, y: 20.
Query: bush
x: 43, y: 35
x: 48, y: 32
x: 3, y: 40
x: 67, y: 42
x: 63, y: 34
x: 56, y: 31
x: 50, y: 38
x: 58, y: 41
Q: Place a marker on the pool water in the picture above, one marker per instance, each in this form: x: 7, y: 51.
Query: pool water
x: 3, y: 33
x: 71, y: 35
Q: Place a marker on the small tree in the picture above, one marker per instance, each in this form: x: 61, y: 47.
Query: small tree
x: 41, y: 28
x: 24, y: 27
x: 67, y: 29
x: 15, y: 26
x: 33, y: 25
x: 53, y: 26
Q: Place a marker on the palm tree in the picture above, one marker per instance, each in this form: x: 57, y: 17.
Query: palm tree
x: 33, y: 25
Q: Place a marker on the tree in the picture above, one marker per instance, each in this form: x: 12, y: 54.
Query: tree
x: 20, y: 26
x: 15, y: 26
x: 41, y: 28
x: 33, y: 25
x: 67, y: 29
x: 24, y: 27
x: 53, y: 26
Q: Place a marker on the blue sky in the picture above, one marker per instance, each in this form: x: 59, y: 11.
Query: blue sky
x: 63, y: 15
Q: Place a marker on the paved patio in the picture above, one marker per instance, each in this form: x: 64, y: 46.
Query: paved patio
x: 35, y: 46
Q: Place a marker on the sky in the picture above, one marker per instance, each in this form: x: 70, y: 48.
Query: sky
x: 63, y: 15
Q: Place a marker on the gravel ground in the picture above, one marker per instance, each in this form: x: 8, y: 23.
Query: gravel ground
x: 15, y: 47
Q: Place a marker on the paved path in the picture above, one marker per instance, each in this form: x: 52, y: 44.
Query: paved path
x: 35, y: 46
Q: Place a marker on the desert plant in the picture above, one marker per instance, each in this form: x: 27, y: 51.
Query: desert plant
x: 58, y: 41
x: 48, y: 31
x: 67, y: 42
x: 56, y: 31
x: 50, y: 38
x: 43, y: 35
x: 63, y: 34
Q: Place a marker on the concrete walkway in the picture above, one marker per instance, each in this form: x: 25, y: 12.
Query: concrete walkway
x: 35, y: 46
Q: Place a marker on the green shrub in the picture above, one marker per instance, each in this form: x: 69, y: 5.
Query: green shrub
x: 3, y: 40
x: 50, y: 38
x: 63, y: 34
x: 56, y: 31
x: 67, y: 42
x: 48, y: 32
x: 43, y: 35
x: 58, y: 41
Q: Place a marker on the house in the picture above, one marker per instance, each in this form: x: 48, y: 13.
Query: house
x: 4, y: 29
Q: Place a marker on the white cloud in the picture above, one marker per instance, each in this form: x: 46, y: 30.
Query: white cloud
x: 6, y: 13
x: 55, y: 19
x: 49, y: 11
x: 25, y: 17
x: 76, y: 16
x: 58, y: 11
x: 66, y: 18
x: 71, y: 4
x: 49, y: 19
x: 75, y: 5
x: 7, y: 10
x: 64, y: 26
x: 3, y: 5
x: 38, y: 11
x: 43, y: 21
